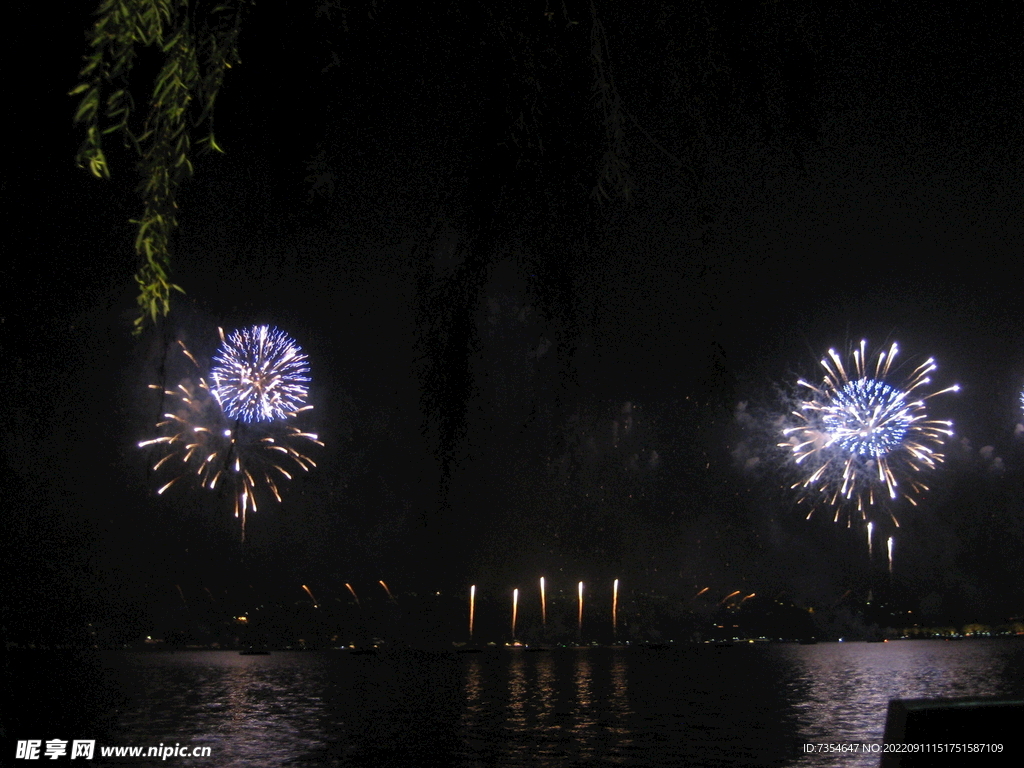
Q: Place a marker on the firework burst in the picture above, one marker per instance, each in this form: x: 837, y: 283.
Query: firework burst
x: 863, y: 439
x: 199, y: 440
x: 260, y: 374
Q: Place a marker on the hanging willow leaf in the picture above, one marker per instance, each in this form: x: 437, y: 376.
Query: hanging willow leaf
x: 198, y: 44
x: 613, y: 178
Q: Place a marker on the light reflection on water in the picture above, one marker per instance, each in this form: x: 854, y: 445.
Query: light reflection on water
x: 839, y: 689
x: 707, y: 706
x: 249, y: 710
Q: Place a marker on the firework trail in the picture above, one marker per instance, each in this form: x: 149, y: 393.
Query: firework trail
x: 543, y: 605
x: 260, y: 374
x: 862, y: 438
x: 311, y: 596
x: 615, y: 608
x: 579, y: 618
x: 199, y: 440
x: 349, y: 586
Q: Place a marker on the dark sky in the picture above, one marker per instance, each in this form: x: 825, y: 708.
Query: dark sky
x: 510, y: 378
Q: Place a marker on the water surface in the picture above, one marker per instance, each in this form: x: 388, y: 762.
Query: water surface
x: 747, y: 705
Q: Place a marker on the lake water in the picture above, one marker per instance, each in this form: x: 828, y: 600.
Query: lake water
x: 747, y: 705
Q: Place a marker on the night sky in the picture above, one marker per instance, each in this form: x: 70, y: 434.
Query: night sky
x: 512, y: 375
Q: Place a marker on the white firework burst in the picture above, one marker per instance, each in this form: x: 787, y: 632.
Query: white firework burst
x: 862, y: 438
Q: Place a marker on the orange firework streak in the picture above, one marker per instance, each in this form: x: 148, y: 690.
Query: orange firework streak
x: 615, y: 607
x: 311, y: 596
x: 543, y: 605
x: 472, y: 608
x: 349, y: 587
x: 515, y: 610
x: 579, y: 617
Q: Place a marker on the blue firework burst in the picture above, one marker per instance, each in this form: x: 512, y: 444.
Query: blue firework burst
x: 868, y: 417
x: 260, y: 374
